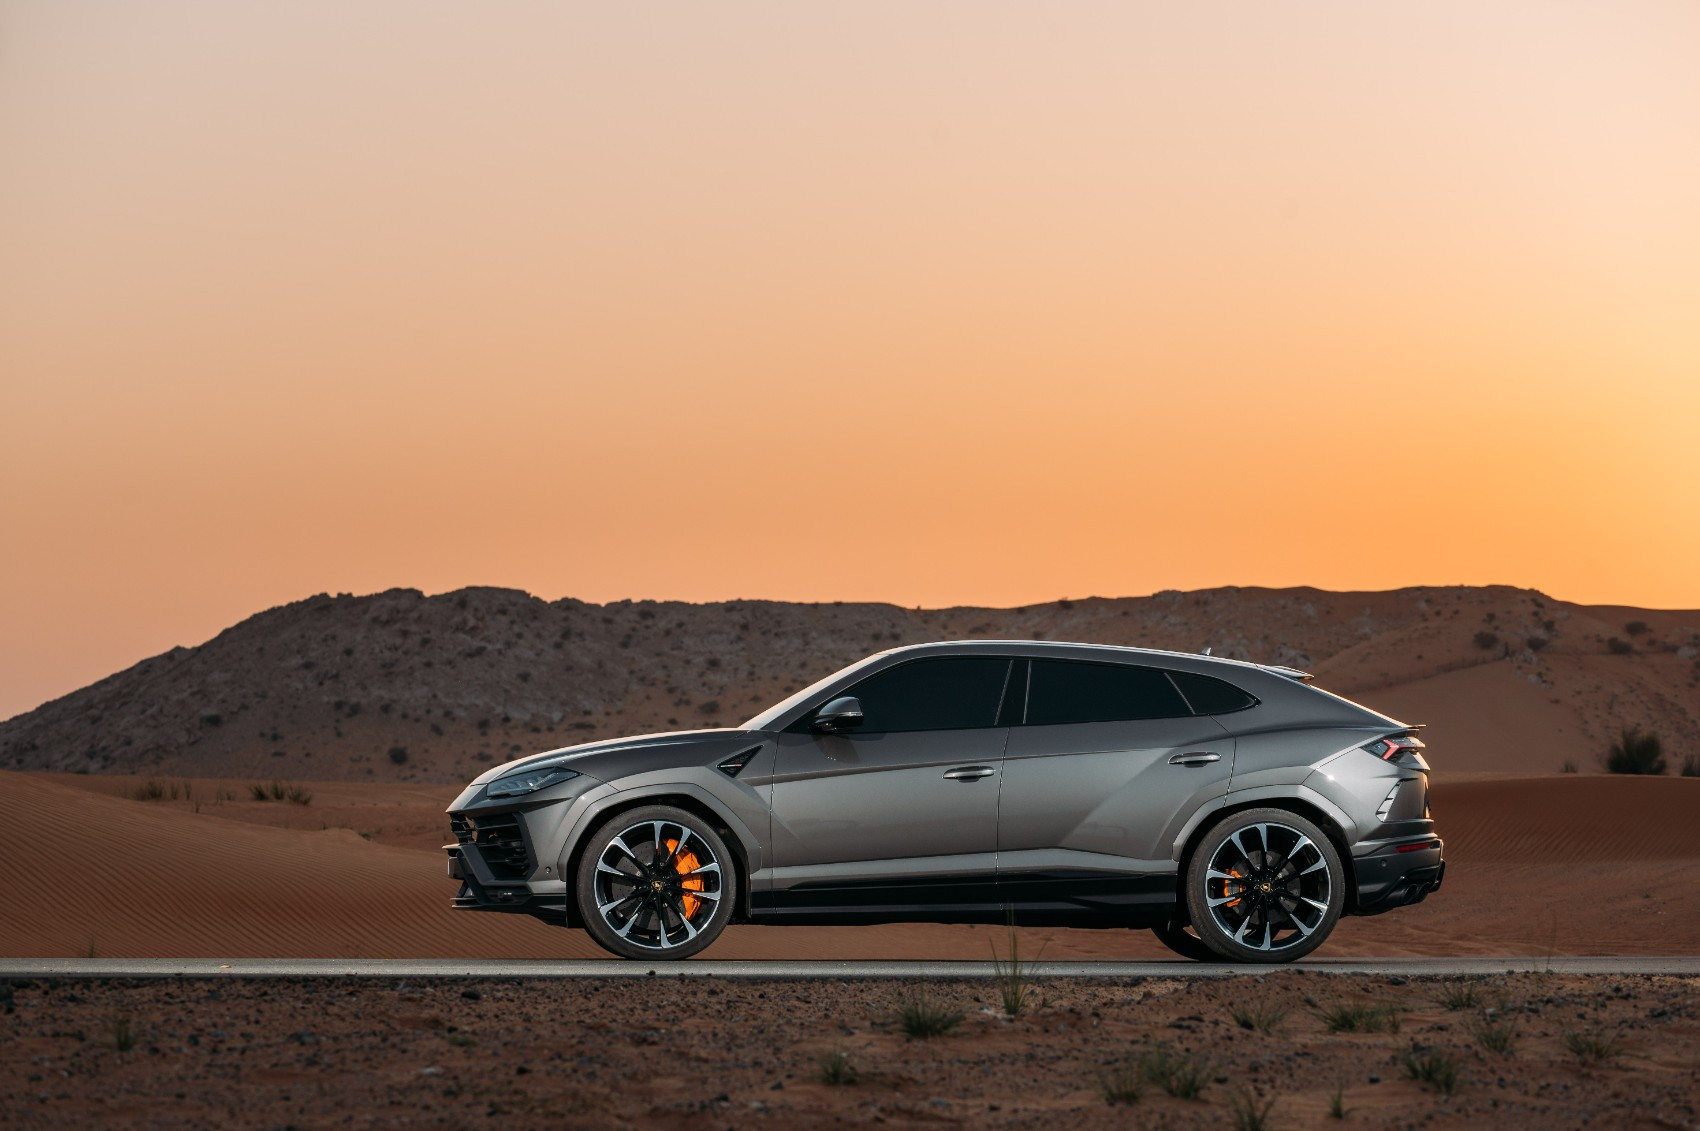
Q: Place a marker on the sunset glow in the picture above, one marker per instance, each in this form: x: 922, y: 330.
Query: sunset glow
x: 940, y: 304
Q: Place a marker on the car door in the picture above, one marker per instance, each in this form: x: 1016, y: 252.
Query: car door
x: 1099, y: 778
x: 902, y: 809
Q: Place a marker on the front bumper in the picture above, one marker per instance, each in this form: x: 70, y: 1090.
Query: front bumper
x: 481, y: 891
x: 1398, y: 875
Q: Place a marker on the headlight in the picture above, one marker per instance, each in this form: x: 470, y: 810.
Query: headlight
x: 528, y: 781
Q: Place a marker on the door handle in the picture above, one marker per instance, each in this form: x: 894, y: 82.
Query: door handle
x: 1195, y: 758
x: 969, y: 773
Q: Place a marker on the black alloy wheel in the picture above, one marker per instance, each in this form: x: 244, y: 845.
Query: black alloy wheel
x: 1264, y: 885
x: 656, y: 882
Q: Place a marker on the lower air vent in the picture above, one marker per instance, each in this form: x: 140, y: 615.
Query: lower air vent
x: 499, y: 839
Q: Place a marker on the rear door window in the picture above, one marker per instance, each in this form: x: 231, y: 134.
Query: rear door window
x: 1063, y: 691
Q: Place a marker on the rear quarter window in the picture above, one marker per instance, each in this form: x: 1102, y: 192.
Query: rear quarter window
x: 1208, y: 695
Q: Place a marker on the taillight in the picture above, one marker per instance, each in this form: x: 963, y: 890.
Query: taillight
x: 1391, y: 746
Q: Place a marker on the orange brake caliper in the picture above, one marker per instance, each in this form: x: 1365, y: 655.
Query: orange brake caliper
x: 1234, y: 872
x: 687, y: 862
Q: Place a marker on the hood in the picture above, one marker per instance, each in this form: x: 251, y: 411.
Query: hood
x: 572, y: 755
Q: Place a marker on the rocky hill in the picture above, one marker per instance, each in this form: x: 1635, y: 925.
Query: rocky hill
x: 402, y: 686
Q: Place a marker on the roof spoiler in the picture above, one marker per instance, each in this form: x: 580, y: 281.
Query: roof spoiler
x: 1290, y: 673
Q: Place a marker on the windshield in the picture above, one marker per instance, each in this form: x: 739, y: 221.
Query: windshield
x: 768, y: 718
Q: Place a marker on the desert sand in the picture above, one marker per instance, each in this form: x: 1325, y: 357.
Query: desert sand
x: 1566, y: 864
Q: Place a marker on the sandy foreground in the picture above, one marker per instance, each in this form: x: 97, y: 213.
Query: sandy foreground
x: 1523, y: 1051
x: 1568, y: 864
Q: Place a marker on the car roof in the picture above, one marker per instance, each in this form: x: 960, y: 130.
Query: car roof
x: 1083, y: 651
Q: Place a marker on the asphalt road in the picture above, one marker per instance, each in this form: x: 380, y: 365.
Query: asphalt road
x: 699, y: 968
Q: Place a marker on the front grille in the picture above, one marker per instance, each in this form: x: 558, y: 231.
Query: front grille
x: 500, y: 841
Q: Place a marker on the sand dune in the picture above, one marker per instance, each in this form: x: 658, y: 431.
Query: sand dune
x: 1569, y: 820
x: 1560, y: 865
x: 130, y: 878
x: 1491, y: 717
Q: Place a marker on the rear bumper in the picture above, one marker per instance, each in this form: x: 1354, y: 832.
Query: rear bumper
x: 1398, y: 875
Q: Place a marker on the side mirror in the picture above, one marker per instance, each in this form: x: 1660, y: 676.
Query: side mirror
x: 842, y: 713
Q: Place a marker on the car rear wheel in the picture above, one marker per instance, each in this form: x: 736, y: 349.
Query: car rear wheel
x: 1264, y: 885
x: 656, y: 882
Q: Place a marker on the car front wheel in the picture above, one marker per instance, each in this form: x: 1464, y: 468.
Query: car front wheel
x: 655, y: 882
x: 1264, y: 885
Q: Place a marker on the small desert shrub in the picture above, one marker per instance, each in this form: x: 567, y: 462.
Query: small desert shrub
x: 123, y: 1034
x: 1496, y: 1032
x: 1535, y: 643
x: 1691, y: 765
x: 170, y: 791
x: 1181, y: 1074
x: 1247, y: 1113
x: 460, y: 1040
x: 1635, y: 627
x: 922, y: 1017
x: 1636, y: 752
x: 398, y: 754
x: 1260, y: 1016
x: 1569, y: 767
x: 1432, y: 1066
x: 1485, y: 639
x: 835, y: 1068
x: 1619, y: 647
x: 1359, y: 1017
x: 1337, y: 1108
x: 280, y: 791
x: 1459, y: 994
x: 1594, y: 1046
x: 1014, y: 977
x: 1123, y: 1084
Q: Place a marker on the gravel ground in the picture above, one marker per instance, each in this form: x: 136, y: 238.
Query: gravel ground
x: 666, y: 1052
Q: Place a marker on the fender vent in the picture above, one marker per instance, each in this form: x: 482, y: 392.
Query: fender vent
x: 734, y: 765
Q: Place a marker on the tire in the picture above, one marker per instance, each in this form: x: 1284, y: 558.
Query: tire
x: 1264, y: 885
x: 656, y: 883
x: 1176, y: 937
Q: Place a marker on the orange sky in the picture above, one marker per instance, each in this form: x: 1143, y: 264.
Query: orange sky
x: 944, y: 303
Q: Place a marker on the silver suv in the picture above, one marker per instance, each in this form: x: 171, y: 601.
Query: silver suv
x: 1229, y: 807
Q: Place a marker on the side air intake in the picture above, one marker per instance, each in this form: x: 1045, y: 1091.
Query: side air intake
x: 734, y: 765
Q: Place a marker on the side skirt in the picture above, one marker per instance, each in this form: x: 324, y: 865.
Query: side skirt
x: 1078, y: 898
